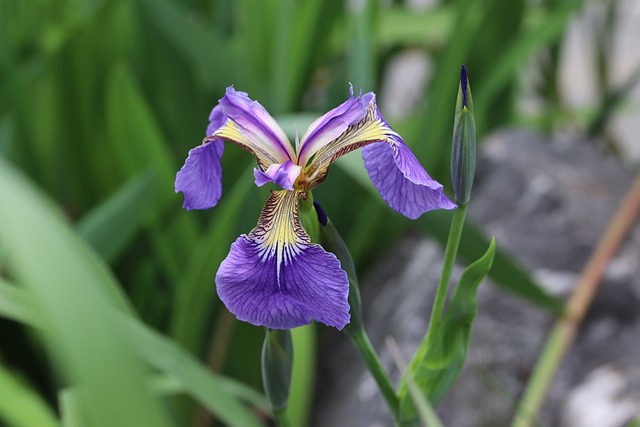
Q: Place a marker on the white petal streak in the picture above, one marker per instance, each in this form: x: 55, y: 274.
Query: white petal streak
x: 279, y: 232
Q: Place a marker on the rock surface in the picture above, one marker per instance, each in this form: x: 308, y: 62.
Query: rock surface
x: 547, y: 202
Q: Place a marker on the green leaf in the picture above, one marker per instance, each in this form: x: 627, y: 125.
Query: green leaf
x: 200, y: 47
x: 546, y: 30
x: 506, y: 272
x: 95, y: 343
x: 217, y: 393
x: 71, y: 408
x: 15, y: 304
x: 70, y: 286
x: 138, y: 144
x: 111, y: 226
x: 402, y: 25
x: 362, y: 54
x: 437, y: 364
x: 21, y: 405
x: 424, y: 408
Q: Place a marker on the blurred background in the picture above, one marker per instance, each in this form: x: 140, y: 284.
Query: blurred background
x: 100, y: 101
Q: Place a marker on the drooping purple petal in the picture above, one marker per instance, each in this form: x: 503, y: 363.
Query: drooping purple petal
x: 402, y: 181
x: 253, y: 128
x: 275, y: 277
x: 283, y: 175
x: 331, y: 125
x: 200, y: 179
x: 216, y: 120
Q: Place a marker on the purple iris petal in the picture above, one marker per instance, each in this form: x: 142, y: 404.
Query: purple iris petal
x: 402, y: 181
x: 256, y: 124
x: 307, y: 285
x: 200, y: 179
x: 216, y: 120
x: 284, y: 175
x: 330, y: 126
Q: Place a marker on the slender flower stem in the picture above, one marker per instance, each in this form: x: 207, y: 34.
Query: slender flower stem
x: 368, y: 354
x: 564, y: 331
x: 457, y: 223
x: 282, y: 417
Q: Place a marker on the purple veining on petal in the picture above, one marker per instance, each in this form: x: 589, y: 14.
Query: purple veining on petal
x: 331, y: 125
x: 200, y: 179
x: 255, y: 122
x: 311, y: 286
x: 402, y: 181
x: 282, y: 174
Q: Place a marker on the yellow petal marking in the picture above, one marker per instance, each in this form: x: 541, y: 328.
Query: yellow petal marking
x: 279, y: 231
x: 265, y: 154
x: 367, y: 131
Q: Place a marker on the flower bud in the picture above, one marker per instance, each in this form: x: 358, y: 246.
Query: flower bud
x: 277, y: 363
x: 463, y: 154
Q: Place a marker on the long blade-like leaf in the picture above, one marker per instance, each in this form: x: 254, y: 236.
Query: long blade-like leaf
x: 69, y: 286
x: 110, y: 226
x: 214, y: 392
x: 21, y: 405
x: 437, y: 364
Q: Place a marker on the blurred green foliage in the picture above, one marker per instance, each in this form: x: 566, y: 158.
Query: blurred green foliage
x: 100, y: 100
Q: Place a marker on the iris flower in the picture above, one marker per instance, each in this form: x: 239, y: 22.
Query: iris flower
x: 275, y: 276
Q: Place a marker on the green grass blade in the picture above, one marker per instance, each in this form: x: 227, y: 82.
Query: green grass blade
x: 546, y: 30
x: 212, y: 60
x: 401, y: 25
x: 217, y: 393
x: 139, y: 145
x: 71, y: 409
x: 16, y: 305
x: 111, y: 226
x: 361, y: 56
x: 214, y: 392
x: 21, y: 405
x: 68, y: 284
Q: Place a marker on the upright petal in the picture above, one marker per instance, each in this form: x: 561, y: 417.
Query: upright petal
x: 369, y: 128
x: 402, y: 181
x: 330, y: 126
x: 250, y: 126
x: 275, y: 277
x: 200, y: 179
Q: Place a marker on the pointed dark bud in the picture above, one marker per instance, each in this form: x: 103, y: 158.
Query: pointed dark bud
x: 463, y: 154
x: 322, y: 217
x: 463, y: 85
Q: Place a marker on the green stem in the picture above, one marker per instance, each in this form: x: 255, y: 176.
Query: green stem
x: 282, y: 417
x: 555, y: 347
x: 457, y: 223
x: 564, y: 332
x: 368, y: 354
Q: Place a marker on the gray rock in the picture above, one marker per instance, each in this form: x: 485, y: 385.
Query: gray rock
x: 547, y: 202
